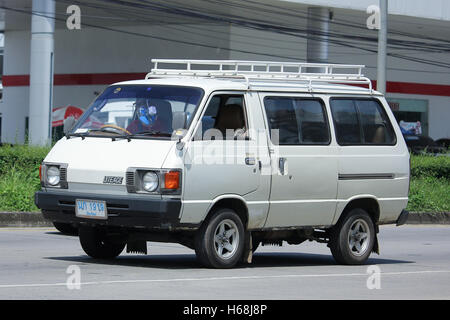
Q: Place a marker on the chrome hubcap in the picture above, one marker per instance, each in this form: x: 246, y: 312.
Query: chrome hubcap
x: 359, y: 237
x: 226, y: 239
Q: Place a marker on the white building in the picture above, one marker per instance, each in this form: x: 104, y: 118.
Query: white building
x: 118, y: 38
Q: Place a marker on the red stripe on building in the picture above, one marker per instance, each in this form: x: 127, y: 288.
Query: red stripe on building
x: 95, y: 78
x: 15, y: 81
x: 418, y: 88
x: 108, y: 78
x: 81, y: 79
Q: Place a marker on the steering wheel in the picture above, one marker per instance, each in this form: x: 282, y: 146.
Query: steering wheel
x: 113, y: 126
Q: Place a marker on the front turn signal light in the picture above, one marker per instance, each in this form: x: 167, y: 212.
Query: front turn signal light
x: 172, y: 180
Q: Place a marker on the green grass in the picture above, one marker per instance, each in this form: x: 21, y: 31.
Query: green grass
x: 19, y: 177
x: 429, y: 194
x: 430, y: 184
x: 430, y: 166
x: 17, y: 190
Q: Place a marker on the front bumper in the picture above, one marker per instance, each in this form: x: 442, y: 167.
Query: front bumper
x: 123, y: 211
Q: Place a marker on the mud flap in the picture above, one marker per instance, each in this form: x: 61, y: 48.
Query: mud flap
x: 248, y: 249
x: 137, y: 246
x: 376, y: 247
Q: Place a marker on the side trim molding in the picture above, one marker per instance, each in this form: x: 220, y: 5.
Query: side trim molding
x: 366, y: 176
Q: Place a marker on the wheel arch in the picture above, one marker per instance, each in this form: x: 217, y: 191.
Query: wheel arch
x: 368, y: 203
x: 236, y: 203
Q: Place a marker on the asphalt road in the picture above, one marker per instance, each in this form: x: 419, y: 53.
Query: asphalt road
x: 414, y: 264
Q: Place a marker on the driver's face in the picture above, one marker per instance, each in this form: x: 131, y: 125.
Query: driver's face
x: 147, y: 114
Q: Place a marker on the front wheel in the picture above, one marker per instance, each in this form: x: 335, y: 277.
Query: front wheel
x: 220, y: 241
x: 353, y: 238
x: 97, y: 244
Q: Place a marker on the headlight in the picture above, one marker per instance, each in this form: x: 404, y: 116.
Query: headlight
x: 53, y: 176
x: 150, y: 181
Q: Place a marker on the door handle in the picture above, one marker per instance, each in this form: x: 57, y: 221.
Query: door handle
x: 281, y: 165
x: 250, y: 161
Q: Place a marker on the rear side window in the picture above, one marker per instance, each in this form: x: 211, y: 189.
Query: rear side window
x: 361, y: 121
x: 297, y: 121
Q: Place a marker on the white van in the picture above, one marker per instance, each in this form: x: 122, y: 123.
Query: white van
x: 222, y: 156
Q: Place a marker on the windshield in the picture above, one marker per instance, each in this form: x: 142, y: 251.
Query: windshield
x: 150, y: 110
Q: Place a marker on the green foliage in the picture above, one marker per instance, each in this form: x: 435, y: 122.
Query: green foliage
x: 27, y: 158
x: 430, y: 166
x: 429, y: 194
x: 17, y: 190
x: 19, y: 176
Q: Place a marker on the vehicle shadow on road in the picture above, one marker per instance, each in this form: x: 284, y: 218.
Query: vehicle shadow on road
x: 291, y: 259
x: 189, y: 261
x: 57, y: 233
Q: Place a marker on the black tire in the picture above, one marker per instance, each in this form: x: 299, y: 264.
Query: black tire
x: 344, y: 237
x: 208, y: 250
x: 66, y: 228
x: 97, y: 245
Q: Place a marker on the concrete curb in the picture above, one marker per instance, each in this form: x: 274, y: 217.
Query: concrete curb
x: 23, y: 219
x: 428, y: 218
x: 35, y: 219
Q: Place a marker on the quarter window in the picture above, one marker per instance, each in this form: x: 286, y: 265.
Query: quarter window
x: 361, y: 121
x: 296, y: 121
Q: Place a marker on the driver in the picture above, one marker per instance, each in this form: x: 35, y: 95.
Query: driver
x: 146, y: 118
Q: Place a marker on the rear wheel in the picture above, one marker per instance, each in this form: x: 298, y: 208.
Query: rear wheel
x: 97, y: 244
x: 353, y: 238
x: 219, y: 242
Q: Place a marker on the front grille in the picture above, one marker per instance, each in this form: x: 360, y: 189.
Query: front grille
x: 63, y: 174
x: 130, y: 180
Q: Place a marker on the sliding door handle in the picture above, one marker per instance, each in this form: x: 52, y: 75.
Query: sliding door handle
x: 281, y: 165
x: 250, y: 161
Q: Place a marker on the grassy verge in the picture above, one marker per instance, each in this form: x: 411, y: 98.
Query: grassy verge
x: 430, y: 184
x: 19, y: 179
x: 429, y: 194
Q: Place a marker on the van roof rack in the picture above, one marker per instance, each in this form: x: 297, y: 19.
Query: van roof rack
x: 255, y: 72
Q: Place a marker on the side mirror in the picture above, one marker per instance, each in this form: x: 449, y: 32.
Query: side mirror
x: 178, y: 135
x: 68, y: 124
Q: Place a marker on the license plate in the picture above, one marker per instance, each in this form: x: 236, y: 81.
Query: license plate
x: 93, y: 209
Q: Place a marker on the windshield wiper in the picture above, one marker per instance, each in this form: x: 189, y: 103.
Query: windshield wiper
x: 77, y: 134
x: 143, y: 134
x: 151, y: 133
x: 87, y: 133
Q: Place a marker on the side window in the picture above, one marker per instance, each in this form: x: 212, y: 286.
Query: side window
x: 296, y: 121
x: 375, y: 124
x: 361, y: 121
x: 224, y: 118
x: 346, y: 122
x: 312, y: 122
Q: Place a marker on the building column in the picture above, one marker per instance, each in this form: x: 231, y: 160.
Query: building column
x: 382, y: 47
x: 317, y: 42
x: 41, y: 71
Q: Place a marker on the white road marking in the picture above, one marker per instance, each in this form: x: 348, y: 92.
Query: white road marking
x: 223, y: 278
x: 27, y: 229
